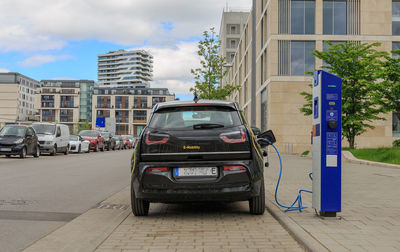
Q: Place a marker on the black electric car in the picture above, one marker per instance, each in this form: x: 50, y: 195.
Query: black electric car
x: 19, y: 140
x: 197, y: 151
x: 109, y: 141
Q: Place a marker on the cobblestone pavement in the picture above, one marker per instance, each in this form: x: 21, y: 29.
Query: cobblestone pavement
x: 370, y: 217
x: 200, y: 227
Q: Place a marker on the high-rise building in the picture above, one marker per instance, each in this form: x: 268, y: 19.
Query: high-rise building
x: 65, y: 101
x: 131, y: 107
x: 287, y: 31
x: 17, y: 97
x: 123, y: 68
x: 232, y: 23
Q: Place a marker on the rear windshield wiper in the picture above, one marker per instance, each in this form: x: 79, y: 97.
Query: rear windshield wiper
x: 208, y: 126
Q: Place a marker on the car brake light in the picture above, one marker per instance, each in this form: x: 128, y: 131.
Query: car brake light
x: 235, y: 168
x: 163, y: 139
x: 156, y: 169
x: 233, y: 137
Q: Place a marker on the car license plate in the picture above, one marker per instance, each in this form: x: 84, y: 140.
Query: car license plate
x: 5, y: 149
x: 196, y: 172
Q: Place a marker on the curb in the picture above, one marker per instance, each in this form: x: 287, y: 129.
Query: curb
x: 349, y: 157
x: 298, y: 233
x: 88, y: 230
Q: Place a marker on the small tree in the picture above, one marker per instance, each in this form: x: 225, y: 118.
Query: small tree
x: 390, y: 88
x: 213, y: 69
x: 359, y: 66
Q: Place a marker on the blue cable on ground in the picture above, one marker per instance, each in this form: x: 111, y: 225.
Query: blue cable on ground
x: 298, y: 200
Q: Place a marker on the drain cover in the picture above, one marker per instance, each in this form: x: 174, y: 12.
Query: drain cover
x: 112, y: 206
x: 15, y: 202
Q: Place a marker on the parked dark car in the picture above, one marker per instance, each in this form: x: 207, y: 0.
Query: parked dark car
x: 19, y: 140
x: 95, y: 139
x: 109, y: 141
x: 200, y: 151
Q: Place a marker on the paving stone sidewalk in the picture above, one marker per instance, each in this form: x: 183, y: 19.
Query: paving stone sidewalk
x: 370, y: 217
x: 200, y: 227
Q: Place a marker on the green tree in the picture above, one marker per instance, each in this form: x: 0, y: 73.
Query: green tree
x: 209, y: 75
x: 390, y: 88
x: 359, y: 66
x: 83, y: 125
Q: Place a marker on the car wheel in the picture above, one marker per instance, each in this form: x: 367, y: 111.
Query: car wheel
x: 54, y: 152
x: 8, y: 155
x: 139, y: 207
x: 67, y: 150
x: 37, y: 152
x: 97, y: 147
x: 257, y: 203
x: 79, y: 149
x: 22, y: 154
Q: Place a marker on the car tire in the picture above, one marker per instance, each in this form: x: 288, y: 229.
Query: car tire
x: 257, y: 203
x: 54, y: 152
x: 139, y: 207
x: 79, y: 149
x: 22, y: 154
x: 67, y: 150
x: 37, y: 152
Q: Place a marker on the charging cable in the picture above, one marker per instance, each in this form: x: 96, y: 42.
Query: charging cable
x: 298, y: 200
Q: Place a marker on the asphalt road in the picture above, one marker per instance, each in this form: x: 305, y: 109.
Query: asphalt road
x: 38, y: 195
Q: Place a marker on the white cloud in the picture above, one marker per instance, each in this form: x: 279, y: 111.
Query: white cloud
x: 172, y: 66
x: 47, y: 24
x: 3, y: 70
x: 40, y: 59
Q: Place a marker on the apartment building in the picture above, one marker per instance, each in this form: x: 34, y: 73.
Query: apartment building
x: 131, y: 107
x: 287, y: 31
x: 65, y: 101
x: 132, y: 69
x: 232, y: 23
x: 17, y: 98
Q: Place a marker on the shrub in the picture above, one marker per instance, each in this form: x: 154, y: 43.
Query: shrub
x: 396, y: 143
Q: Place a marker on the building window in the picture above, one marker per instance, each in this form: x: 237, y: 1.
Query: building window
x: 139, y: 115
x: 295, y: 57
x: 296, y: 16
x: 335, y: 16
x: 140, y: 102
x: 122, y: 116
x: 396, y: 124
x: 137, y: 130
x: 103, y: 113
x: 156, y: 100
x: 48, y: 115
x: 66, y: 115
x: 122, y: 102
x: 396, y: 46
x: 66, y: 101
x: 396, y: 17
x: 122, y: 129
x: 103, y: 102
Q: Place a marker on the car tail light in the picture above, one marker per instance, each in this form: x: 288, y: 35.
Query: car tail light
x: 156, y: 139
x: 156, y: 169
x: 235, y: 168
x: 233, y: 137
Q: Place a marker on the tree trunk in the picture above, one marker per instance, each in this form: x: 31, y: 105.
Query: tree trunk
x: 351, y: 140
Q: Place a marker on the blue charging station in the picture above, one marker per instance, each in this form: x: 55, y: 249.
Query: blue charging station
x: 327, y: 144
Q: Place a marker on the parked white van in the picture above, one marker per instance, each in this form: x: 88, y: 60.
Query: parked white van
x: 53, y: 138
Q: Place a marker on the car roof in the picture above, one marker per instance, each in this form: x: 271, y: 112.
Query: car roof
x: 172, y: 104
x: 18, y: 125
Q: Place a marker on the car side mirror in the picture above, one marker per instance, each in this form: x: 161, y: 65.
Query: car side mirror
x: 267, y: 135
x: 256, y: 131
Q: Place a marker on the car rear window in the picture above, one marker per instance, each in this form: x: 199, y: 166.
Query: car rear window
x: 186, y: 117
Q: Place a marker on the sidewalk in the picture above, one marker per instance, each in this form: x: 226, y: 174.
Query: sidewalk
x: 370, y: 217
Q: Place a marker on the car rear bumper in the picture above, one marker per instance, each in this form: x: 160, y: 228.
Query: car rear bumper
x: 227, y: 186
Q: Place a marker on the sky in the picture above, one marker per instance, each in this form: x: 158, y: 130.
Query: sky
x: 60, y: 39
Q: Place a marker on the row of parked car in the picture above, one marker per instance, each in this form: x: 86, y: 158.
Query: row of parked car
x: 38, y: 138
